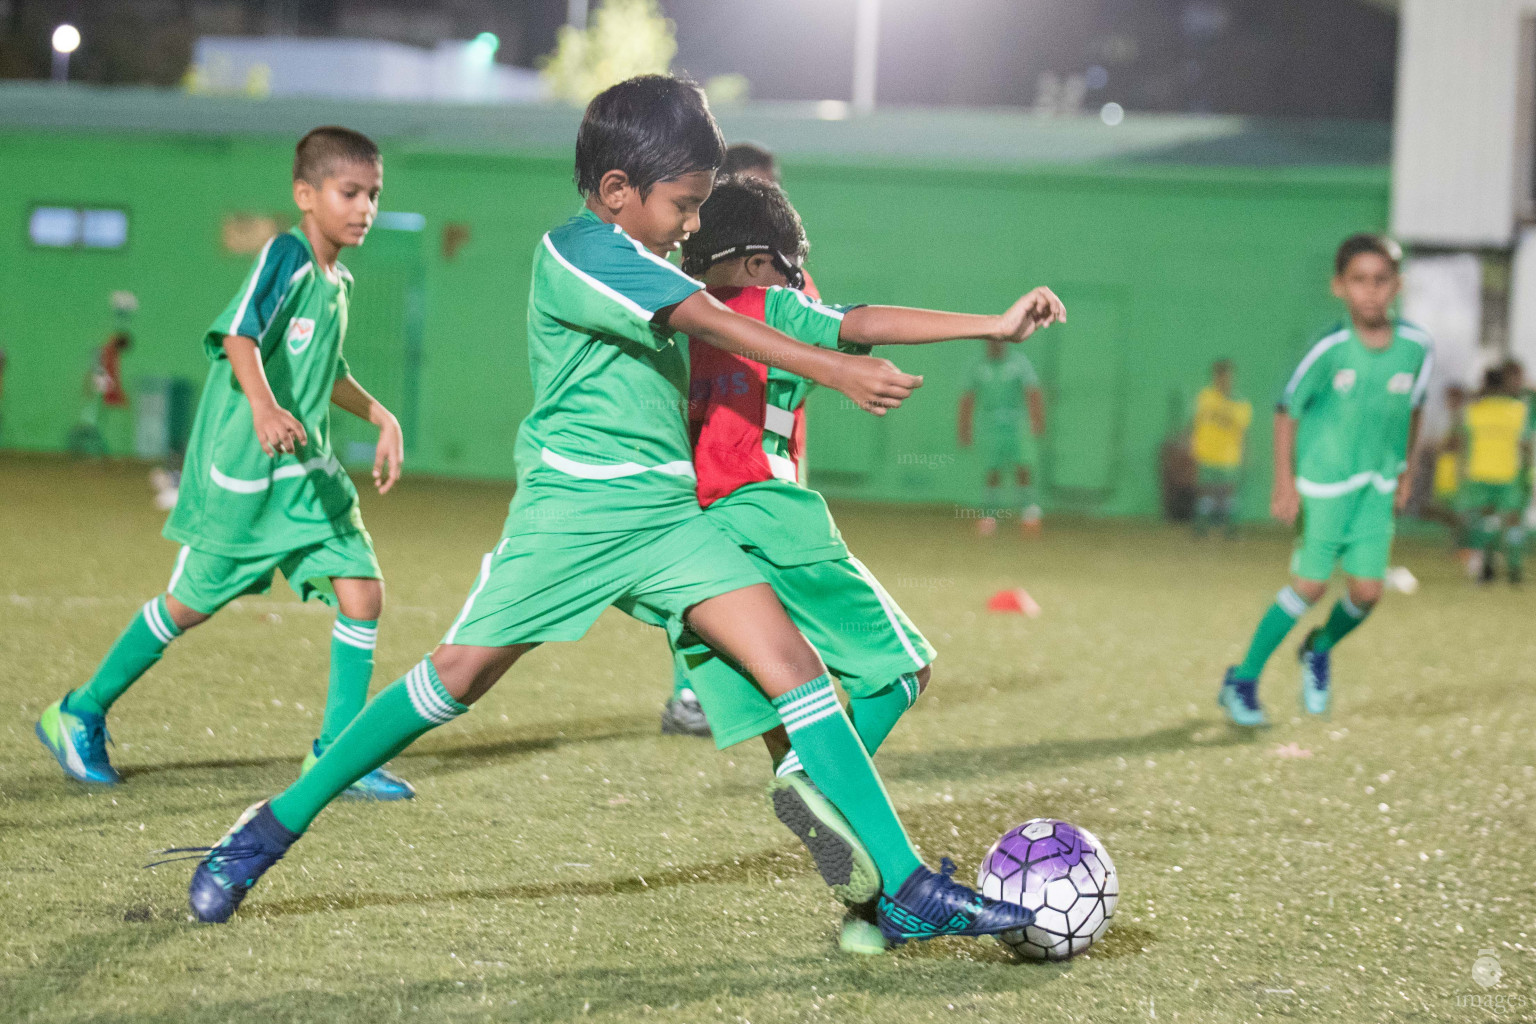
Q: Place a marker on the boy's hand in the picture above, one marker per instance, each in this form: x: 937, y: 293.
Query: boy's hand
x: 1401, y: 495
x: 277, y: 431
x: 389, y: 453
x: 874, y: 384
x: 1285, y: 503
x: 1040, y: 308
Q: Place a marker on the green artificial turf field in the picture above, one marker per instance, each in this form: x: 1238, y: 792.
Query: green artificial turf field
x: 563, y: 861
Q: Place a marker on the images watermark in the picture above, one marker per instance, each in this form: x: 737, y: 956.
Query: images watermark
x: 1487, y: 972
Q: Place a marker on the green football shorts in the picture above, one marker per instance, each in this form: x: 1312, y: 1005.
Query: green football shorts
x: 860, y: 632
x: 206, y: 582
x: 544, y: 587
x: 1352, y: 530
x: 1004, y: 447
x: 1476, y: 496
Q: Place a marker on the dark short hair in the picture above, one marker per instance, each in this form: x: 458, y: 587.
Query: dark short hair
x: 740, y: 212
x: 749, y: 156
x: 320, y: 152
x: 1364, y: 242
x: 1493, y: 378
x: 1221, y: 366
x: 653, y: 128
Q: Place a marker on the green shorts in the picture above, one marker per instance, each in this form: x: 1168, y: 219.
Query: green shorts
x: 1475, y: 496
x: 1004, y: 448
x: 206, y: 582
x: 545, y: 587
x: 1216, y: 476
x: 860, y: 632
x: 1351, y: 530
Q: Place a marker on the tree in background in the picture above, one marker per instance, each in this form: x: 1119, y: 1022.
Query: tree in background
x: 625, y: 38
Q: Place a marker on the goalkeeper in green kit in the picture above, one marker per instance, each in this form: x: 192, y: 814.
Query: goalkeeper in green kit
x: 1344, y: 427
x: 261, y: 489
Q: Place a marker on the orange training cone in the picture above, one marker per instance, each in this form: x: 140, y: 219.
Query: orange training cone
x: 1015, y: 600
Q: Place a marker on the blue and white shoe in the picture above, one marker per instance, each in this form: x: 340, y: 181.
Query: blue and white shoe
x: 1239, y: 698
x: 931, y: 903
x: 78, y: 741
x: 223, y: 877
x: 379, y: 784
x: 1316, y: 676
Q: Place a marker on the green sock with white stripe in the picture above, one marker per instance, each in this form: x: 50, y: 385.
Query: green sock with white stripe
x: 1273, y: 627
x: 1346, y: 615
x: 393, y: 720
x: 835, y: 760
x: 352, y: 645
x: 874, y: 716
x: 135, y: 651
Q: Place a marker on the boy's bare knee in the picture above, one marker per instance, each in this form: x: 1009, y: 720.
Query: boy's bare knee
x: 1365, y: 592
x: 468, y: 672
x: 1309, y: 590
x: 184, y: 617
x: 923, y: 675
x: 361, y: 599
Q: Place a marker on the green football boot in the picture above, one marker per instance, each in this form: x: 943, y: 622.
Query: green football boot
x: 859, y: 934
x: 78, y: 741
x: 379, y: 784
x: 840, y: 856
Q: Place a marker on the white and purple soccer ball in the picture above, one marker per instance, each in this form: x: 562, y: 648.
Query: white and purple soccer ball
x: 1063, y: 874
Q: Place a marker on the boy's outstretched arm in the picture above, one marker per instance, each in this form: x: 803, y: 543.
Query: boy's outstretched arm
x: 389, y: 453
x: 902, y: 325
x: 277, y: 430
x: 1034, y: 397
x: 875, y: 385
x: 1285, y: 501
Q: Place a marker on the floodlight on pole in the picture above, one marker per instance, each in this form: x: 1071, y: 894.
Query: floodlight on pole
x: 66, y: 40
x: 866, y: 52
x: 576, y: 13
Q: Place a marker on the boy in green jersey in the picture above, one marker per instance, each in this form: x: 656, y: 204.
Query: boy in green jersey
x: 261, y: 490
x: 1003, y: 387
x: 1344, y: 427
x: 606, y: 514
x: 745, y: 420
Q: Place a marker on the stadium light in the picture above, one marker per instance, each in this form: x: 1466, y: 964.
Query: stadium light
x: 66, y: 40
x: 866, y: 51
x: 482, y: 49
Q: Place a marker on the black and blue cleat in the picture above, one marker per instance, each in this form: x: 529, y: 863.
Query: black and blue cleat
x: 931, y: 903
x: 223, y: 877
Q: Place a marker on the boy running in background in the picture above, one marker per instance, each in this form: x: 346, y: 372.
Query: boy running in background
x: 606, y: 512
x: 1496, y: 437
x: 1344, y: 428
x: 1002, y: 387
x: 261, y: 489
x: 744, y: 419
x: 1216, y: 442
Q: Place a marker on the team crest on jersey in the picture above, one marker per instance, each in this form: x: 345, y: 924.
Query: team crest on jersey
x: 301, y: 331
x: 1344, y: 380
x: 1400, y: 384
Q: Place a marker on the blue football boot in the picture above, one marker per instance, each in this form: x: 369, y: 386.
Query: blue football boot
x: 931, y: 903
x: 78, y: 741
x: 379, y: 784
x: 1316, y: 675
x: 1239, y: 698
x: 223, y: 877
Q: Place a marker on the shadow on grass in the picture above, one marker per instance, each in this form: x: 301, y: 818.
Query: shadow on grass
x: 740, y: 869
x: 45, y: 989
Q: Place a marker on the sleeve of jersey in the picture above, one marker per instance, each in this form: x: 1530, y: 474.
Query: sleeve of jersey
x: 1304, y: 384
x: 601, y: 282
x: 1421, y: 382
x: 809, y: 320
x: 251, y: 310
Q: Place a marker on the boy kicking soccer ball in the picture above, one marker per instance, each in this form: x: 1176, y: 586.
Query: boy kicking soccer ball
x: 1345, y: 425
x: 606, y: 514
x: 261, y: 490
x: 746, y: 420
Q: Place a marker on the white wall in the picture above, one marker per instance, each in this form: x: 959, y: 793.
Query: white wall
x: 1456, y: 147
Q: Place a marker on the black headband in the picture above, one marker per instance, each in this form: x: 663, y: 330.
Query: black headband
x: 790, y: 269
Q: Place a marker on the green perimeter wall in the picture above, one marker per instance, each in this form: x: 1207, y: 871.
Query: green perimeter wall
x: 1162, y: 270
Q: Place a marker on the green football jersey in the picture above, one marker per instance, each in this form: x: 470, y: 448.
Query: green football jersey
x: 605, y: 446
x: 236, y: 500
x: 787, y: 522
x: 1354, y: 406
x: 1000, y: 386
